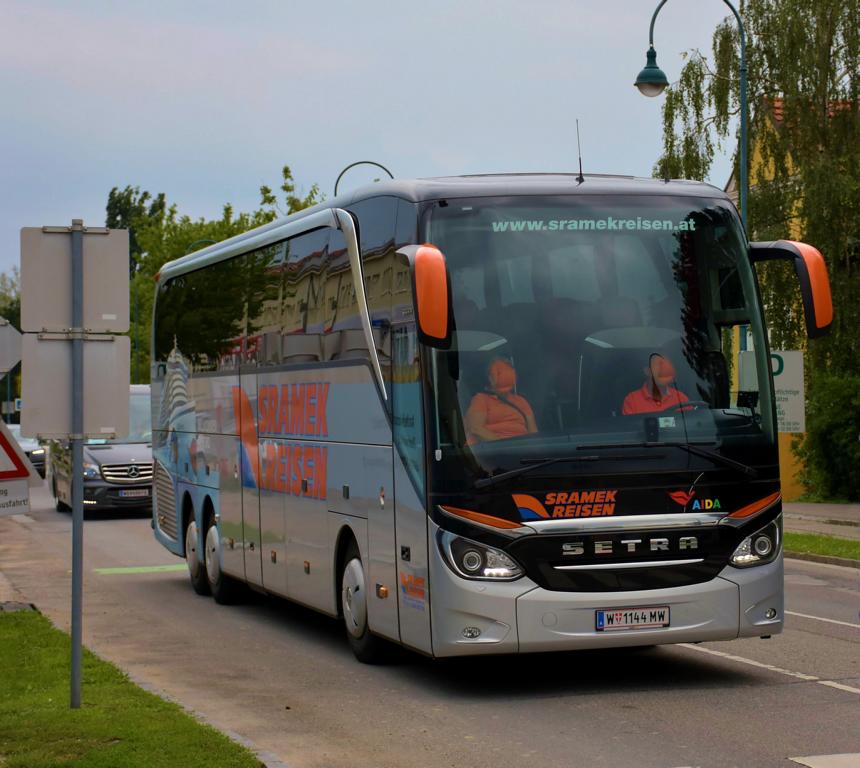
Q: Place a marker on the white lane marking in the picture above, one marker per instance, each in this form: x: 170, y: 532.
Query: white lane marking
x: 841, y: 687
x: 772, y: 668
x: 829, y: 761
x: 741, y: 659
x: 821, y: 618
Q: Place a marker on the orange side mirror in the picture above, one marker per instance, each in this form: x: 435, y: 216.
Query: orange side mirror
x: 432, y: 290
x: 812, y: 276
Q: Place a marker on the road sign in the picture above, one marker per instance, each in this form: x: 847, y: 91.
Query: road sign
x: 45, y: 380
x: 787, y: 367
x: 46, y: 279
x: 74, y: 292
x: 789, y: 390
x: 10, y: 346
x: 17, y: 474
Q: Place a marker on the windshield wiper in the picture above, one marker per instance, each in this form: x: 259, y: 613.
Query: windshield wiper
x: 696, y: 450
x: 486, y: 482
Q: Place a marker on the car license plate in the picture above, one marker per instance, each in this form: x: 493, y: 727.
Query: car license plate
x: 650, y: 617
x: 134, y: 493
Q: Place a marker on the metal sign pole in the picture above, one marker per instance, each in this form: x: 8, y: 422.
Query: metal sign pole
x: 77, y: 453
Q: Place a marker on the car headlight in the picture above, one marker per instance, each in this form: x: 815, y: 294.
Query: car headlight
x: 37, y: 452
x: 760, y: 548
x: 473, y: 560
x: 91, y: 471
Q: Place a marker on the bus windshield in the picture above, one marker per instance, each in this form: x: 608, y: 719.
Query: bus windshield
x: 593, y: 323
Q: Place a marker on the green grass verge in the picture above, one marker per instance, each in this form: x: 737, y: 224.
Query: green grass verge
x: 118, y: 724
x: 814, y: 544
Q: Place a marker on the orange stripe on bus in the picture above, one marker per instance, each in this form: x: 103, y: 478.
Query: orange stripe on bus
x: 757, y: 506
x: 478, y: 517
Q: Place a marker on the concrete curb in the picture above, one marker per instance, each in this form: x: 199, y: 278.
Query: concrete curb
x: 846, y: 562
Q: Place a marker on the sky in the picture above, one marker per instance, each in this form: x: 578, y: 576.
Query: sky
x: 205, y: 100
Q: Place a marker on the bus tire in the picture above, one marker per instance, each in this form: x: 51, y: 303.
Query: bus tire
x: 367, y: 647
x: 224, y: 589
x: 196, y: 566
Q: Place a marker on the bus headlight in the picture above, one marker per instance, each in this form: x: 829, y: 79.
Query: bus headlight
x: 473, y: 560
x: 760, y: 548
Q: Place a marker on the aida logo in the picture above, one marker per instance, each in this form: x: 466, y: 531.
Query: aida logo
x: 683, y: 498
x: 276, y: 465
x: 562, y: 504
x: 706, y: 504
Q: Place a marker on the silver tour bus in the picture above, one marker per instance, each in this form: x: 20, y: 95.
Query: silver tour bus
x: 486, y: 414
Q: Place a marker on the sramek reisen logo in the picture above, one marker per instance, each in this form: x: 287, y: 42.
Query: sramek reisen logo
x: 566, y: 504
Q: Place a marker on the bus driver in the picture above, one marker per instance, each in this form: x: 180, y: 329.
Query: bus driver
x: 656, y: 393
x: 499, y: 412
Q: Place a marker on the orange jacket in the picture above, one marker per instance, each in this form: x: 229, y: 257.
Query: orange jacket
x: 504, y: 417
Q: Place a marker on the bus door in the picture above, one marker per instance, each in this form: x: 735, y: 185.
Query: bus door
x: 249, y: 474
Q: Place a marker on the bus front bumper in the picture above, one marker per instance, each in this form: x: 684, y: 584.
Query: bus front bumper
x: 482, y: 617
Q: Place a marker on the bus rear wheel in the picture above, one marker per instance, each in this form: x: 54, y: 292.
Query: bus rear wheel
x: 196, y: 567
x: 367, y: 647
x: 224, y: 589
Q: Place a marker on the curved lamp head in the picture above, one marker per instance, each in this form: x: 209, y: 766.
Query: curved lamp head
x: 651, y: 80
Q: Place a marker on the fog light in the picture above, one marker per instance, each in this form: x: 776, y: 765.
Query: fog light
x: 472, y: 561
x: 471, y: 633
x: 763, y: 546
x: 770, y: 613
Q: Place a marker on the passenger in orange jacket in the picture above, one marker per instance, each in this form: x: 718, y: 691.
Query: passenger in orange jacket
x: 499, y: 412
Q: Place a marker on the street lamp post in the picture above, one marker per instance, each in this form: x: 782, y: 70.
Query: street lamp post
x: 652, y: 82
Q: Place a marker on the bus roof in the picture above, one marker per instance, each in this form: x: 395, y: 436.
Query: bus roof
x: 448, y: 187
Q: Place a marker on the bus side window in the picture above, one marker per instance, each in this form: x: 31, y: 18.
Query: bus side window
x: 408, y: 420
x: 266, y: 270
x: 168, y: 308
x: 210, y: 332
x: 376, y: 230
x: 302, y: 305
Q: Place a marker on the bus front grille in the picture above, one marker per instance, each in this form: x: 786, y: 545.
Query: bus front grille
x: 165, y: 501
x: 628, y: 561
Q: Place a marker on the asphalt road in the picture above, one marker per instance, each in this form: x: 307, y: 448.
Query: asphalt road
x: 284, y: 678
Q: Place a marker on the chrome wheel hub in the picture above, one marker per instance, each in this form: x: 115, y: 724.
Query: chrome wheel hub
x: 191, y: 555
x: 213, y: 554
x: 354, y: 598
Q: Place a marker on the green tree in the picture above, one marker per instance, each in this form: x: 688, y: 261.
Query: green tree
x: 158, y: 233
x: 803, y: 58
x: 10, y: 297
x: 10, y: 309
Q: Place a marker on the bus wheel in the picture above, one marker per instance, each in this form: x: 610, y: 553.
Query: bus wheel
x: 353, y: 599
x: 196, y: 569
x: 224, y: 589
